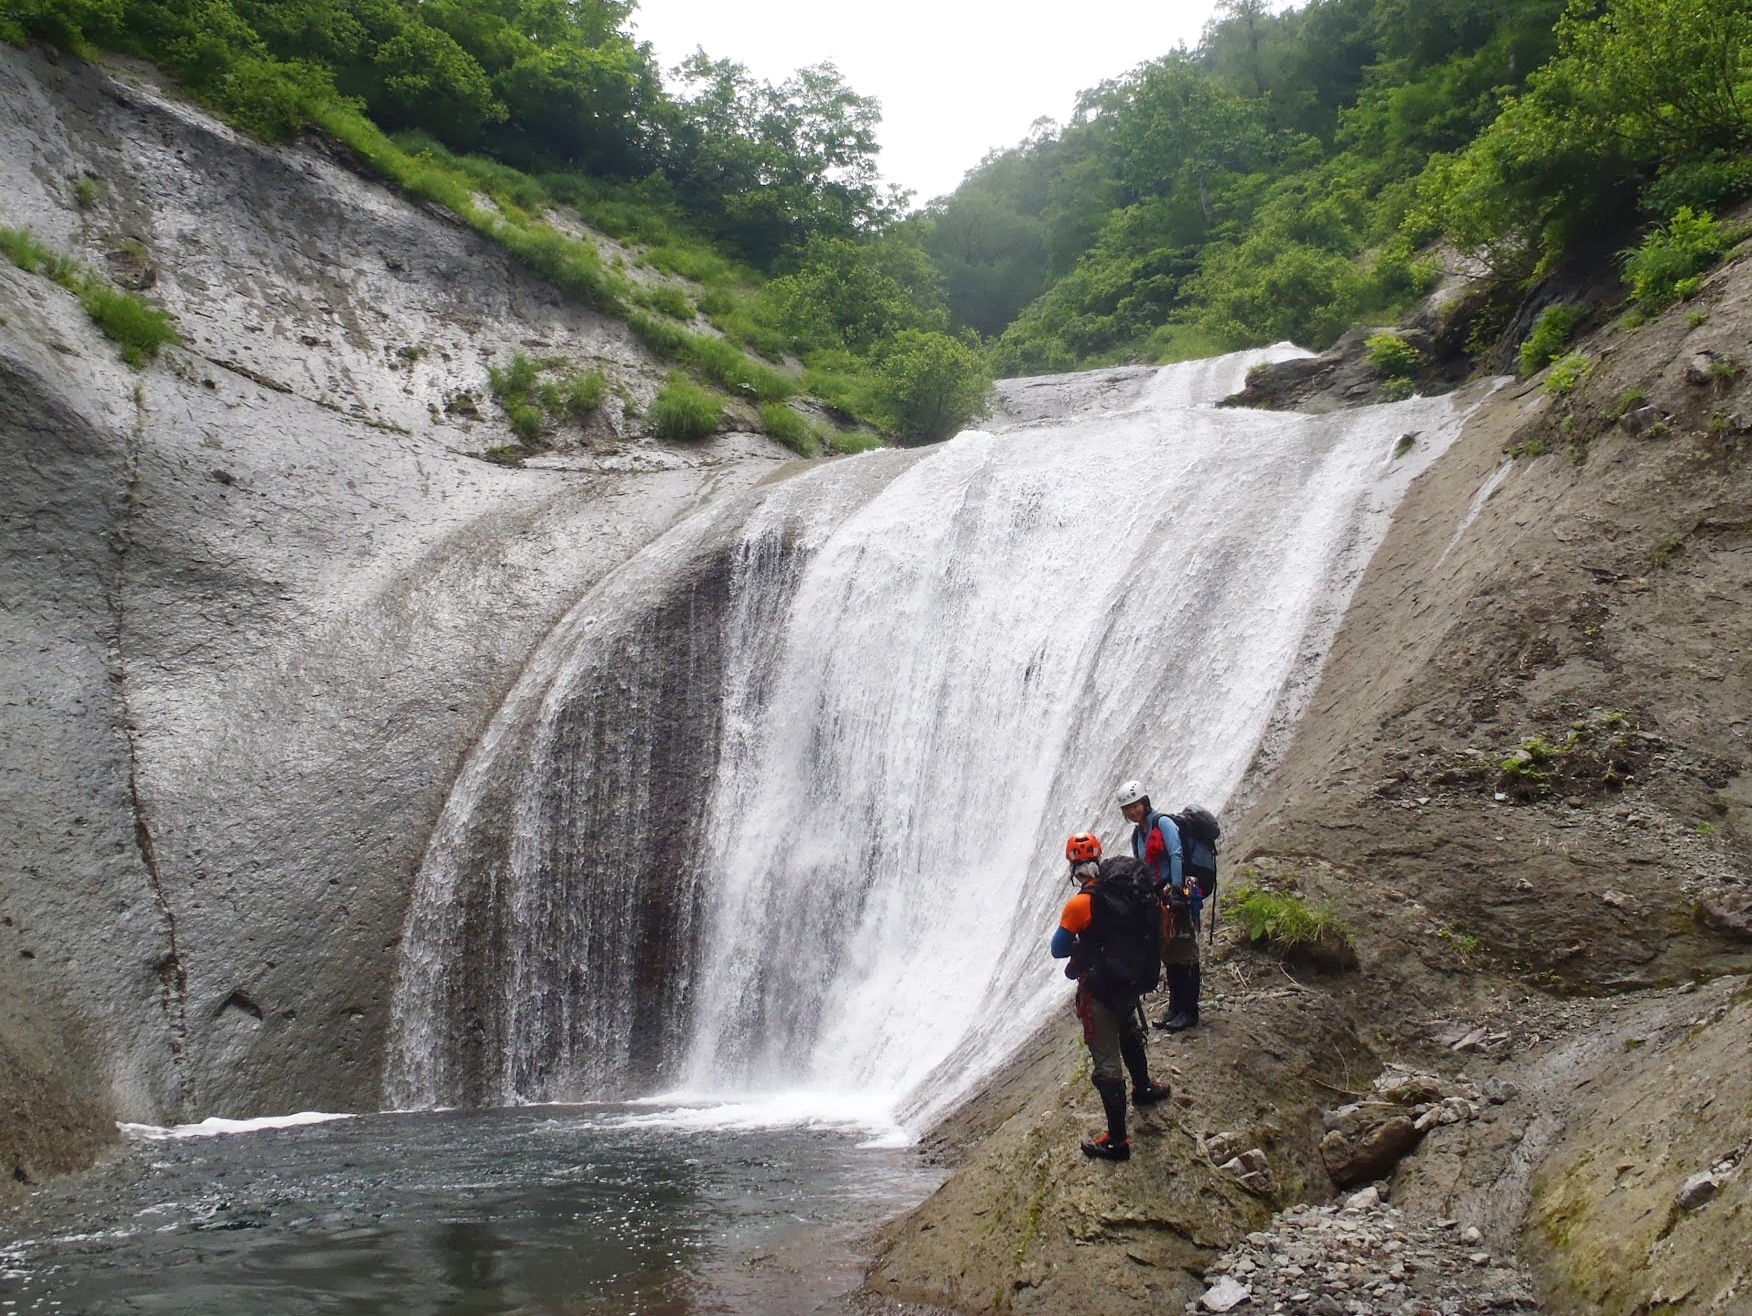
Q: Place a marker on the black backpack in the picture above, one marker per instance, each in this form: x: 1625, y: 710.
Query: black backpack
x: 1199, y: 831
x: 1123, y: 946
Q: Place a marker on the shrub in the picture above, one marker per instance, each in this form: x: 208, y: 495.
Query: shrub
x: 718, y: 359
x: 666, y: 299
x: 530, y: 401
x: 1392, y: 356
x: 1282, y: 918
x: 790, y: 428
x: 929, y: 385
x: 684, y: 410
x: 1397, y: 389
x: 1567, y: 372
x: 1668, y: 266
x: 1551, y: 334
x: 849, y: 442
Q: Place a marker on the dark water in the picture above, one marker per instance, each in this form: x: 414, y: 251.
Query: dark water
x: 533, y: 1210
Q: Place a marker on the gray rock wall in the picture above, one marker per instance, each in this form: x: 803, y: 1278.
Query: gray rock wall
x: 255, y: 602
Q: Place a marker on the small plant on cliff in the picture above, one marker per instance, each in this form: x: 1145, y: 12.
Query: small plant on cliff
x: 684, y: 410
x: 1285, y: 921
x: 534, y: 393
x: 139, y: 328
x: 1392, y: 356
x: 790, y: 428
x: 1668, y: 266
x: 1566, y: 373
x: 1551, y: 334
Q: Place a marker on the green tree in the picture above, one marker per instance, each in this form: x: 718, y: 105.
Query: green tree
x: 768, y: 165
x: 929, y: 385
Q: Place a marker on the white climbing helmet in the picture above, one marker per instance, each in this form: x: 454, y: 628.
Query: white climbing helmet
x: 1131, y: 793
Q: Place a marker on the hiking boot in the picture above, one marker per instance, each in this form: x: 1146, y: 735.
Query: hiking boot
x: 1104, y: 1148
x: 1149, y: 1096
x: 1172, y: 1023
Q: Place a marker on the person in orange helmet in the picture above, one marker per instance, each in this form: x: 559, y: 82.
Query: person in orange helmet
x: 1110, y: 932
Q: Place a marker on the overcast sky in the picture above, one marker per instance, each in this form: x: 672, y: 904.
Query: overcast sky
x: 955, y: 77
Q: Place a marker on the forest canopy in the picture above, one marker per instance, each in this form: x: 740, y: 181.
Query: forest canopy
x: 1300, y: 171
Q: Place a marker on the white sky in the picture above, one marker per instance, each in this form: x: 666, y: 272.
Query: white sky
x: 955, y: 77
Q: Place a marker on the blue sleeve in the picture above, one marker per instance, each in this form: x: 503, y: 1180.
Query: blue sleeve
x: 1061, y: 943
x: 1176, y: 860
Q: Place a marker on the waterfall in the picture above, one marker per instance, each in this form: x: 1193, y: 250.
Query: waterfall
x: 910, y: 675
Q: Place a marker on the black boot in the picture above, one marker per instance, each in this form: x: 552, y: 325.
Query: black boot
x: 1112, y: 1145
x: 1175, y: 1020
x: 1137, y: 1063
x: 1187, y: 1015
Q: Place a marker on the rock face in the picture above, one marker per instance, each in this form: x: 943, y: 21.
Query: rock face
x: 1644, y: 1203
x: 256, y: 603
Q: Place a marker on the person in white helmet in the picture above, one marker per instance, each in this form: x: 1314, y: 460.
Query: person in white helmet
x: 1156, y: 840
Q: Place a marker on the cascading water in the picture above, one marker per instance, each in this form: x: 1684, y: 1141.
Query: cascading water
x: 926, y: 669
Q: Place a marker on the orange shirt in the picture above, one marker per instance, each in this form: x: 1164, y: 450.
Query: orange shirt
x: 1079, y: 914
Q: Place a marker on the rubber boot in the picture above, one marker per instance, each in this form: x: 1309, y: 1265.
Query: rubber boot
x: 1137, y: 1063
x: 1175, y: 1020
x: 1170, y: 972
x: 1187, y: 996
x: 1112, y: 1145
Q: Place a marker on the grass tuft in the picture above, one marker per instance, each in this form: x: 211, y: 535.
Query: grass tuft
x: 789, y: 428
x: 684, y: 410
x: 134, y: 324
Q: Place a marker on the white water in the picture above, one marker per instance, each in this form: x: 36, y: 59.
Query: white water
x: 215, y: 1125
x: 930, y: 685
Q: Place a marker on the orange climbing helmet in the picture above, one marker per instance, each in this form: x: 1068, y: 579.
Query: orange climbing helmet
x: 1083, y: 848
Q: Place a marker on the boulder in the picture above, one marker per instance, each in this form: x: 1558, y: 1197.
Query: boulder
x: 1371, y: 1153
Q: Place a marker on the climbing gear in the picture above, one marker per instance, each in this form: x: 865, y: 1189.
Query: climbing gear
x: 1149, y: 1096
x: 1104, y: 1148
x: 1130, y: 793
x: 1082, y: 848
x: 1123, y: 946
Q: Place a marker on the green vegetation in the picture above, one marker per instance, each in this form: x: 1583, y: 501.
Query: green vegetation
x: 131, y: 322
x: 683, y: 410
x: 1551, y: 334
x: 505, y: 112
x: 537, y: 394
x: 1668, y: 265
x: 930, y: 385
x: 1392, y: 356
x: 1284, y: 919
x: 790, y: 428
x: 1464, y: 942
x: 1567, y: 372
x: 1290, y: 177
